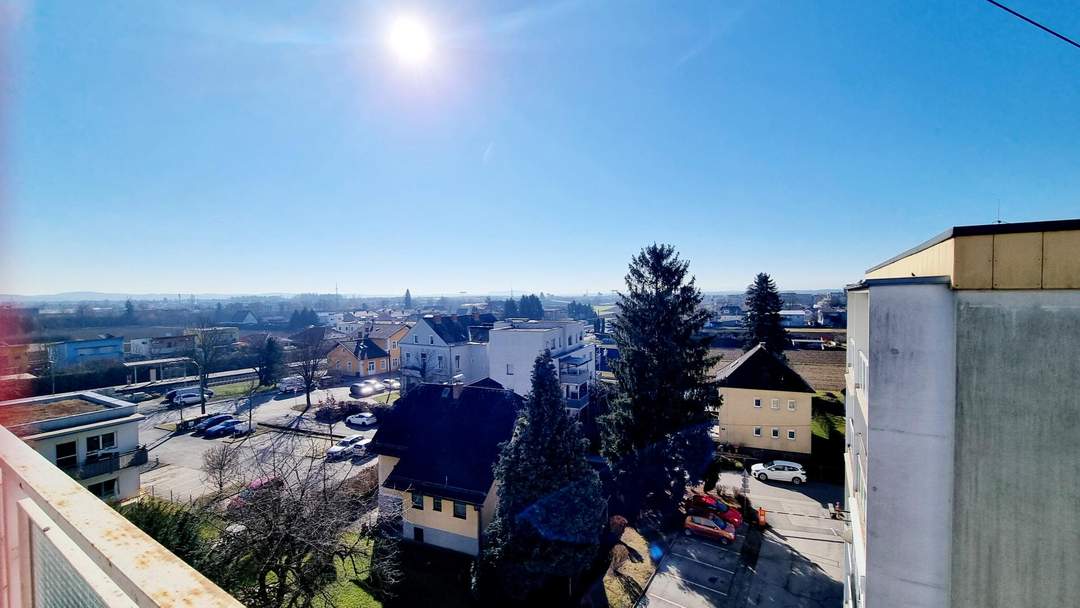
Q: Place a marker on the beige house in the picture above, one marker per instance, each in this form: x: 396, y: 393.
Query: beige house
x: 766, y: 404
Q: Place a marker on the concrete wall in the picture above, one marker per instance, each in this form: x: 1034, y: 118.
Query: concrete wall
x: 910, y: 396
x: 1017, y: 502
x: 738, y: 418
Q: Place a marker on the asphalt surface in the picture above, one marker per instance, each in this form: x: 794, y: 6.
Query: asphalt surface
x: 797, y: 562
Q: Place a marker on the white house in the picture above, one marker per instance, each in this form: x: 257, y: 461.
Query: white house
x: 514, y: 345
x: 93, y: 438
x: 444, y: 347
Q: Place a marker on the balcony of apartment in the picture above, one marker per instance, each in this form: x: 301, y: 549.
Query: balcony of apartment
x: 62, y: 546
x: 575, y: 375
x: 103, y: 464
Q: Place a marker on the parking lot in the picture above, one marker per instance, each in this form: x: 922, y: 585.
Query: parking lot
x: 176, y: 460
x: 796, y: 562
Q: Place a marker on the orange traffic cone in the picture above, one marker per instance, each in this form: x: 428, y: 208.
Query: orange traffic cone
x: 761, y: 516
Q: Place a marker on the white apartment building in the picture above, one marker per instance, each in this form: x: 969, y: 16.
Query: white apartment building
x: 963, y: 422
x: 514, y: 345
x: 441, y: 348
x: 91, y: 437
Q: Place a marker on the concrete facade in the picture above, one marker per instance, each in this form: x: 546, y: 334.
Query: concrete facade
x: 514, y: 345
x: 744, y: 424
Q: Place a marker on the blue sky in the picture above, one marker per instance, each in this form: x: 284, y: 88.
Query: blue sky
x: 196, y: 147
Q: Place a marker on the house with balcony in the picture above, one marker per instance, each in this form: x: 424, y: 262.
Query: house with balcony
x: 514, y: 344
x: 436, y: 451
x: 441, y: 348
x: 91, y: 437
x: 766, y: 407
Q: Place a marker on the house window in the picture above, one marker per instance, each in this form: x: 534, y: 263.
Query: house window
x: 774, y: 404
x: 416, y: 339
x: 791, y: 434
x: 393, y: 344
x: 348, y: 365
x: 100, y: 442
x: 757, y: 431
x: 431, y: 339
x: 757, y: 402
x: 436, y: 503
x: 408, y: 357
x: 459, y: 509
x: 457, y: 363
x: 791, y: 405
x: 418, y: 501
x: 104, y: 489
x: 775, y: 433
x: 418, y: 534
x: 509, y: 369
x: 382, y: 364
x: 439, y: 363
x: 66, y: 458
x: 370, y: 366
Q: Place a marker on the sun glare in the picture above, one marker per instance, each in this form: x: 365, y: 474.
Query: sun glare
x: 410, y: 40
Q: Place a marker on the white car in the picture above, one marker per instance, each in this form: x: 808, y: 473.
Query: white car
x: 377, y: 386
x: 392, y: 384
x: 779, y: 470
x: 361, y: 419
x: 344, y: 447
x: 292, y: 384
x: 187, y: 399
x: 361, y: 389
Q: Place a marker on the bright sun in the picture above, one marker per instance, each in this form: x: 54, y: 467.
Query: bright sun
x: 410, y: 40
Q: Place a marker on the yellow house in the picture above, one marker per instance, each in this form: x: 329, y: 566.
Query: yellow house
x: 388, y: 336
x: 357, y: 358
x: 766, y: 404
x: 437, y: 448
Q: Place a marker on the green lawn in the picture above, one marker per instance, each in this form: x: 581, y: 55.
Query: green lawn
x: 349, y: 591
x: 825, y: 425
x: 236, y: 389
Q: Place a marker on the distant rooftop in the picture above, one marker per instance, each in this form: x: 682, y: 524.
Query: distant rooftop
x: 56, y: 412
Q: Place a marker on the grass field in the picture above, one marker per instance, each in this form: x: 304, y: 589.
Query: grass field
x: 237, y: 389
x: 349, y: 590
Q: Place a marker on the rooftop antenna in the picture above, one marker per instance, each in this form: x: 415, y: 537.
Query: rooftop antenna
x: 998, y: 220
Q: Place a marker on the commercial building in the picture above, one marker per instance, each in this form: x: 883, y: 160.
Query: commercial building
x: 513, y: 346
x: 74, y: 353
x: 91, y: 437
x: 963, y: 421
x: 766, y: 407
x: 437, y: 448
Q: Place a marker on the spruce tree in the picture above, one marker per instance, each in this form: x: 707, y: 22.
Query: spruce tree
x: 762, y: 321
x: 655, y: 432
x: 547, y: 525
x: 408, y: 300
x: 510, y: 308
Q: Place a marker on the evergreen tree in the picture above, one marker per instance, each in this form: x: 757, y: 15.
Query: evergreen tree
x: 294, y: 320
x: 510, y: 308
x: 408, y: 300
x: 269, y: 362
x: 762, y: 321
x: 129, y: 312
x: 655, y: 433
x: 530, y: 307
x: 550, y: 515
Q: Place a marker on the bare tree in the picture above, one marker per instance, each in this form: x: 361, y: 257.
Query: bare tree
x: 220, y: 465
x: 210, y: 344
x: 286, y: 537
x: 311, y: 366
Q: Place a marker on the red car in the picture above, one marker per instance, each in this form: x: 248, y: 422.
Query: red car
x: 712, y: 528
x: 714, y: 506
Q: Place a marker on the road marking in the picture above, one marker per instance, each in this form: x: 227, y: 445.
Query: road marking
x: 702, y: 563
x: 664, y: 599
x: 690, y: 582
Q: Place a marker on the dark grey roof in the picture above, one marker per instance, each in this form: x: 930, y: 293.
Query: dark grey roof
x: 241, y: 315
x: 454, y: 329
x: 363, y: 349
x: 316, y: 334
x: 383, y: 331
x: 759, y: 369
x: 447, y: 447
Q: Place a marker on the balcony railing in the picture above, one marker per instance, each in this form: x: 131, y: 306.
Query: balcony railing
x: 110, y: 463
x: 62, y: 546
x: 574, y: 375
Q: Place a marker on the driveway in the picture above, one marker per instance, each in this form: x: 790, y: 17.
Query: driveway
x: 695, y: 573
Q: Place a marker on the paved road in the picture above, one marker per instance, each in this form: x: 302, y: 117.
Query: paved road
x: 797, y: 562
x: 179, y: 473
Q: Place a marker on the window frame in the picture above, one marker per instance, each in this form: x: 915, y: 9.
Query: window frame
x: 791, y: 405
x: 774, y: 404
x: 757, y: 431
x: 74, y: 456
x: 791, y: 434
x: 417, y: 497
x: 464, y: 510
x: 757, y: 402
x: 775, y: 432
x: 436, y: 503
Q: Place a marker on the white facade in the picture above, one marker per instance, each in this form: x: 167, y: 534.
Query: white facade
x: 426, y: 357
x: 514, y: 345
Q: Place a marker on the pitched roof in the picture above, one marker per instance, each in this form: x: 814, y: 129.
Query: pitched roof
x: 316, y: 334
x: 454, y: 329
x: 363, y: 349
x: 759, y: 369
x: 383, y: 331
x: 240, y: 316
x: 447, y: 447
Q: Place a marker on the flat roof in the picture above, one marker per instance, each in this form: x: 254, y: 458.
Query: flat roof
x: 156, y: 361
x: 14, y: 414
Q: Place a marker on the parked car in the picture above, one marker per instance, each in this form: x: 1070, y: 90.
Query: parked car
x: 779, y: 470
x: 343, y: 448
x: 187, y: 399
x: 361, y: 389
x: 254, y: 490
x: 360, y: 449
x: 291, y: 384
x: 214, y: 420
x: 713, y: 506
x: 712, y: 528
x: 377, y: 385
x: 244, y: 428
x: 392, y: 384
x: 361, y: 419
x: 223, y: 428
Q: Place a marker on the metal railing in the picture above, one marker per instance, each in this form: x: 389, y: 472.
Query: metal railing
x: 108, y: 463
x: 62, y: 546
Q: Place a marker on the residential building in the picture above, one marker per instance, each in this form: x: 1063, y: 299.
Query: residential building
x: 357, y: 358
x: 798, y: 317
x: 766, y: 408
x: 161, y: 346
x: 91, y: 437
x: 73, y: 353
x: 514, y: 344
x: 61, y: 546
x: 437, y: 447
x: 388, y: 335
x: 318, y: 334
x: 223, y: 335
x: 244, y: 317
x: 962, y: 421
x: 439, y: 348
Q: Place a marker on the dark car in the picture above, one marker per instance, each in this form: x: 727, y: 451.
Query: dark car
x: 214, y: 420
x: 225, y: 427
